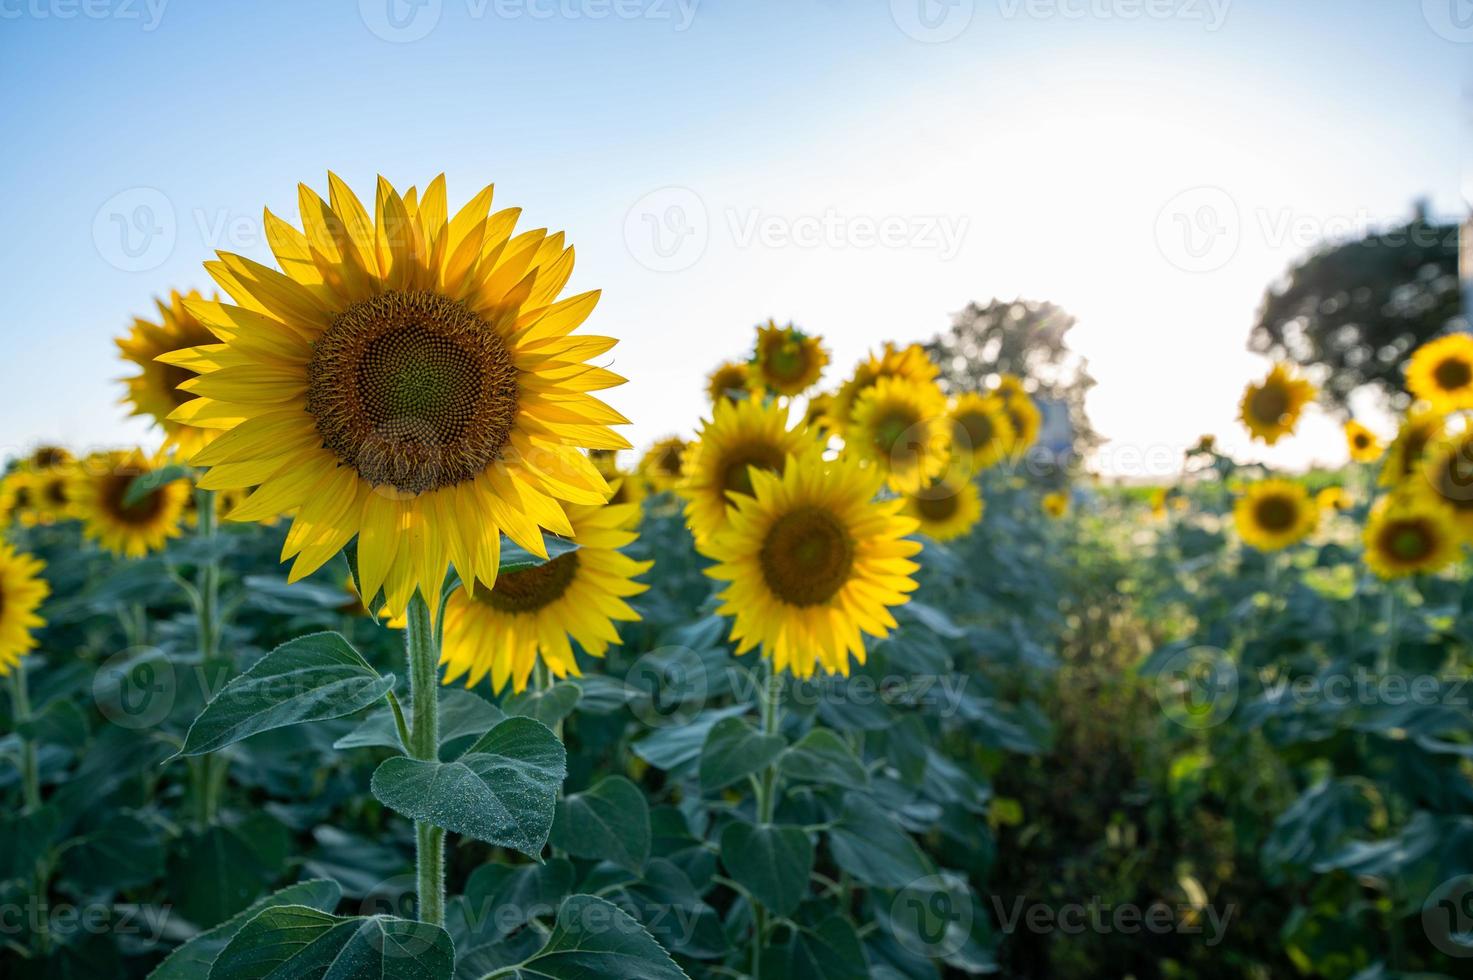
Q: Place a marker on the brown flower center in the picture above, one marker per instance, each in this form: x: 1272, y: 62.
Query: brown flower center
x: 940, y: 503
x: 1276, y: 514
x: 979, y: 428
x: 413, y: 391
x: 138, y: 514
x: 530, y: 589
x: 806, y: 557
x: 736, y: 468
x: 1408, y: 540
x: 1453, y: 374
x: 1269, y: 404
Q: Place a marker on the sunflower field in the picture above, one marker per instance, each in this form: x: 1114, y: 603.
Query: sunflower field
x: 396, y: 659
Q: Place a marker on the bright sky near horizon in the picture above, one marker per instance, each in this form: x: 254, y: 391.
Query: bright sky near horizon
x: 862, y: 167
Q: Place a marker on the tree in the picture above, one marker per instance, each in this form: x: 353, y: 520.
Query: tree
x: 1021, y: 337
x: 1357, y: 309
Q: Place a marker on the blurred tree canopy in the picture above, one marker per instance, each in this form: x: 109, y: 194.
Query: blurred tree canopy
x: 1022, y: 337
x: 1357, y: 309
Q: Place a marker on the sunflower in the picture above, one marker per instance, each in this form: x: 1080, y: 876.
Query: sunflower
x: 1418, y: 430
x: 788, y: 361
x: 1159, y: 498
x: 816, y: 413
x: 408, y: 378
x: 949, y: 508
x: 21, y: 592
x: 1362, y: 442
x: 164, y: 353
x: 740, y: 438
x: 1446, y: 480
x: 911, y: 363
x: 661, y: 463
x: 45, y: 457
x: 606, y: 461
x: 902, y: 428
x: 18, y: 497
x: 811, y: 561
x: 1055, y: 505
x: 225, y: 502
x: 1274, y: 514
x: 534, y: 612
x: 1440, y: 373
x: 1332, y: 499
x: 1406, y: 535
x: 1009, y: 386
x: 1270, y: 409
x: 983, y: 429
x: 1025, y: 418
x: 732, y: 380
x: 50, y: 492
x: 628, y: 488
x: 133, y: 530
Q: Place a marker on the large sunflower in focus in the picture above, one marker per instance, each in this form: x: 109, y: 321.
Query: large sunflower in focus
x: 661, y: 464
x: 949, y: 508
x: 164, y: 353
x: 1270, y: 408
x: 1419, y: 430
x: 1274, y: 514
x: 983, y: 432
x: 535, y: 612
x: 902, y: 428
x: 731, y: 381
x: 408, y: 377
x: 1440, y: 373
x: 98, y: 490
x: 1407, y: 535
x: 812, y: 561
x: 1362, y: 442
x: 788, y: 361
x: 740, y: 437
x: 911, y: 363
x: 22, y: 590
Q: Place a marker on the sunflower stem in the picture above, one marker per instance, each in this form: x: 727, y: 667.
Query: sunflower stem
x: 209, y: 776
x: 771, y: 695
x: 424, y: 744
x: 30, y: 772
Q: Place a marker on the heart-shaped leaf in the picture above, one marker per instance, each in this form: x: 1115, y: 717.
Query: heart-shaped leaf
x: 594, y: 938
x: 194, y: 959
x: 773, y: 863
x: 610, y: 822
x: 299, y: 941
x: 733, y: 751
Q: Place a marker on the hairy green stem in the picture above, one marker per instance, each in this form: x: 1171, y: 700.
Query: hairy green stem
x: 30, y: 772
x: 422, y: 645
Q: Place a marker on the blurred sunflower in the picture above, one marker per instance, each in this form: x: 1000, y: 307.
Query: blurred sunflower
x: 50, y: 490
x: 911, y: 363
x: 408, y: 378
x: 45, y: 457
x: 816, y: 413
x: 1406, y: 535
x: 1440, y: 373
x: 983, y: 431
x: 1332, y: 499
x: 97, y: 493
x: 22, y: 590
x: 812, y: 561
x: 1446, y: 480
x: 901, y: 427
x: 1009, y: 386
x: 502, y: 630
x: 1270, y: 408
x: 1159, y: 498
x: 1362, y: 442
x: 1274, y: 514
x: 947, y: 509
x: 661, y: 463
x: 741, y: 438
x: 787, y: 361
x: 606, y: 461
x: 732, y: 380
x: 1055, y: 504
x: 225, y: 502
x: 164, y: 351
x: 628, y: 488
x: 1418, y: 430
x: 18, y: 497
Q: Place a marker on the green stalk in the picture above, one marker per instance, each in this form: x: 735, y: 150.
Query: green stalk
x: 771, y: 694
x: 30, y: 772
x: 209, y: 776
x: 422, y: 646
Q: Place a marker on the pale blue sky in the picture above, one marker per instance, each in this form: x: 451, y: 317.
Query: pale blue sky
x: 847, y: 164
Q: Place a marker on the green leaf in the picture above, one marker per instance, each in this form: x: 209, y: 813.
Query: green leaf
x: 822, y: 756
x: 502, y: 791
x: 829, y: 951
x: 610, y: 822
x: 733, y: 751
x: 871, y: 846
x: 147, y: 483
x: 212, y: 875
x: 594, y: 938
x: 500, y: 898
x: 514, y: 557
x: 124, y: 852
x: 193, y: 960
x: 462, y: 714
x: 677, y: 746
x: 292, y: 941
x: 771, y: 862
x: 549, y: 707
x: 311, y: 678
